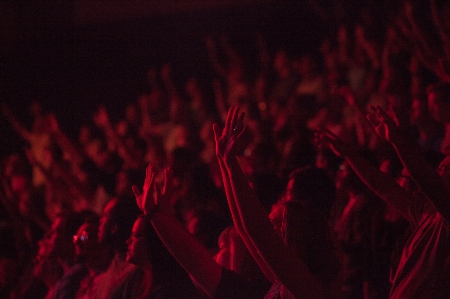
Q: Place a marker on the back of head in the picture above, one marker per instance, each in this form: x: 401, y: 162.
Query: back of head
x: 308, y: 232
x: 312, y: 185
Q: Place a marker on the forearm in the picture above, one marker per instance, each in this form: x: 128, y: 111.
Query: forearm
x: 238, y: 224
x: 253, y: 216
x: 424, y: 175
x: 283, y: 262
x: 381, y: 184
x: 189, y: 253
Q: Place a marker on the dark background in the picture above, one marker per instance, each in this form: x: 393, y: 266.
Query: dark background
x: 73, y: 55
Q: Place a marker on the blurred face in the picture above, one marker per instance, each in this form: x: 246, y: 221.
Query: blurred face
x: 105, y: 228
x: 137, y: 246
x: 439, y: 109
x: 86, y: 241
x: 444, y: 169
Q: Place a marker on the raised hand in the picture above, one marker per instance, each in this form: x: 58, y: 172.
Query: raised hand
x: 152, y: 197
x: 229, y: 142
x: 383, y: 125
x: 325, y: 138
x: 146, y: 200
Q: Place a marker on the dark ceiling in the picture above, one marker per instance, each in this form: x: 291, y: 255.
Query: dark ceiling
x: 73, y: 55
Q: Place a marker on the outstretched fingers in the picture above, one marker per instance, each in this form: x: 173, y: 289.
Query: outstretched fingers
x: 239, y: 127
x: 374, y: 118
x: 229, y: 122
x: 149, y: 188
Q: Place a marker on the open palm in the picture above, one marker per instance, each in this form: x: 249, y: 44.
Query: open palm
x: 229, y: 141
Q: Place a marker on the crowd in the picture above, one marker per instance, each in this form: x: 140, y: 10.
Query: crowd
x: 320, y: 175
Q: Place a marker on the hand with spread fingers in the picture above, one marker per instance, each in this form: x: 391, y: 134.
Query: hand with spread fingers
x: 230, y: 141
x: 152, y: 197
x: 146, y: 199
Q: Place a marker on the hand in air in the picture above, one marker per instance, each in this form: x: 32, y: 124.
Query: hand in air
x: 152, y: 198
x: 325, y: 138
x: 383, y: 125
x: 229, y: 142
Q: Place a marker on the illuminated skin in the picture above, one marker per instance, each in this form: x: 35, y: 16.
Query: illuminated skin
x: 276, y: 218
x: 86, y: 240
x: 105, y: 226
x: 137, y: 245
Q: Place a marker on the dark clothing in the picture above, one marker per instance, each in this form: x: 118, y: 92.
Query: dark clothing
x: 234, y: 286
x: 69, y: 284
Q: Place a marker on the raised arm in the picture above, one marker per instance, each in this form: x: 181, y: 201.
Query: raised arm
x: 286, y: 266
x: 189, y: 253
x: 422, y: 173
x: 380, y: 183
x: 15, y: 124
x: 101, y: 119
x: 221, y: 140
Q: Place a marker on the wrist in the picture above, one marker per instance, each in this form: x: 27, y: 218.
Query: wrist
x: 151, y: 212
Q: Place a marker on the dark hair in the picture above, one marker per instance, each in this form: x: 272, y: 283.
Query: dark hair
x: 73, y: 220
x: 313, y: 185
x: 306, y: 230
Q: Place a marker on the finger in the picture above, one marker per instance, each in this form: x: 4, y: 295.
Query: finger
x: 242, y: 132
x: 148, y: 200
x: 152, y: 180
x: 240, y: 122
x: 137, y: 193
x: 228, y: 127
x: 216, y: 130
x: 168, y: 181
x: 386, y: 118
x: 234, y: 119
x: 372, y: 118
x: 148, y: 172
x: 330, y: 135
